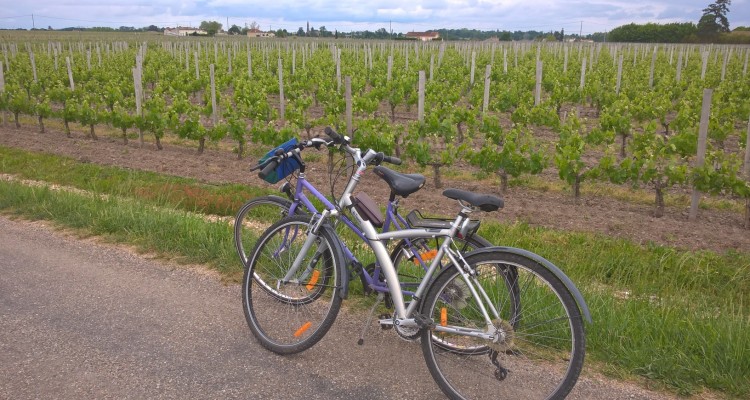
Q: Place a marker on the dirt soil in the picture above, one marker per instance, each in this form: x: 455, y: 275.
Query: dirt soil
x: 717, y: 230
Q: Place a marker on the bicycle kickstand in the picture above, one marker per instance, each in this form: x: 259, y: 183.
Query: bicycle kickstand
x: 380, y: 298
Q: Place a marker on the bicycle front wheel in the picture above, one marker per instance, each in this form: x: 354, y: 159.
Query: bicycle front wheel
x: 288, y: 310
x: 538, y: 343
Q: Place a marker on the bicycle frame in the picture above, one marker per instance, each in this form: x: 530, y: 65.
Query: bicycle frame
x: 376, y: 241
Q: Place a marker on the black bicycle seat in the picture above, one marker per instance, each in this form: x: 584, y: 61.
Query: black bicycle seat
x: 485, y: 202
x: 401, y: 184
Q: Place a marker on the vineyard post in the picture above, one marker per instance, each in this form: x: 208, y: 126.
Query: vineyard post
x: 99, y: 54
x: 338, y: 70
x: 671, y: 54
x: 538, y: 86
x: 214, y: 111
x: 420, y: 101
x: 294, y: 60
x: 2, y: 90
x: 54, y: 51
x: 744, y: 69
x: 565, y: 60
x: 432, y: 65
x: 651, y: 72
x: 747, y: 174
x: 583, y: 72
x: 282, y: 104
x: 705, y: 64
x: 249, y: 62
x: 229, y: 60
x: 7, y: 65
x: 486, y: 102
x: 33, y: 65
x: 88, y: 59
x: 724, y: 66
x: 187, y: 59
x: 137, y: 84
x: 702, y: 134
x: 679, y: 67
x: 619, y: 74
x: 348, y: 97
x: 197, y: 66
x: 216, y: 52
x: 473, y: 66
x: 70, y: 74
x: 505, y: 61
x: 390, y: 67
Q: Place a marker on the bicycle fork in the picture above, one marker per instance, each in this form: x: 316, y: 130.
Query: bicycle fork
x: 312, y: 237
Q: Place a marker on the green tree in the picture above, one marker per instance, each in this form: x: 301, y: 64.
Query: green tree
x: 211, y: 27
x: 235, y: 30
x: 714, y: 19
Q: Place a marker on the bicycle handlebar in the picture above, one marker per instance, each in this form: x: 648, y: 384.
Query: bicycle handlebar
x: 268, y: 169
x: 336, y: 139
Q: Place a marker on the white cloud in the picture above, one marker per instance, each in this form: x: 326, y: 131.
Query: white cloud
x: 345, y: 15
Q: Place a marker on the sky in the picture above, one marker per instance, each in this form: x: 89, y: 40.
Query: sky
x: 574, y: 16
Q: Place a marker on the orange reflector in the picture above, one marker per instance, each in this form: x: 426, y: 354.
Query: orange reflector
x: 302, y: 329
x: 426, y: 256
x: 310, y: 285
x: 443, y: 316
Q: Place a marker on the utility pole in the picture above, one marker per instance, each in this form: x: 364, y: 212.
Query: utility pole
x: 33, y: 25
x: 580, y: 33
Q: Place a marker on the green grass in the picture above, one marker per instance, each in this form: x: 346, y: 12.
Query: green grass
x: 174, y: 234
x: 680, y: 319
x: 187, y: 194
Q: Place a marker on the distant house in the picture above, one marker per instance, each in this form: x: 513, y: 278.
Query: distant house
x: 257, y: 33
x: 183, y: 31
x: 423, y: 36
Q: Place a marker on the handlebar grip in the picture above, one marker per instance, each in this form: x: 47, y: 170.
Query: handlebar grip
x: 392, y: 160
x: 333, y: 135
x: 268, y: 169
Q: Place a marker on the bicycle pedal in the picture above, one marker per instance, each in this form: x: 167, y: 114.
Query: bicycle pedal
x: 385, y: 321
x: 424, y: 321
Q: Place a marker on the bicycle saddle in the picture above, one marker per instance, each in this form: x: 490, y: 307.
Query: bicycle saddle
x: 485, y: 202
x: 400, y: 184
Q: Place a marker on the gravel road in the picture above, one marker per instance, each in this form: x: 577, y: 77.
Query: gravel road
x: 81, y: 320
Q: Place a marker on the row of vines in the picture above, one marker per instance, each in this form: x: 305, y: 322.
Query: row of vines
x: 620, y: 113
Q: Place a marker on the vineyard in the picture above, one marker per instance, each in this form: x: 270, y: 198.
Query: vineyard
x: 663, y: 117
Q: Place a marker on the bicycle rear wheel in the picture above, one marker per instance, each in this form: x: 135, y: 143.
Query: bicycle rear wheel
x: 253, y: 218
x: 539, y: 349
x: 289, y: 313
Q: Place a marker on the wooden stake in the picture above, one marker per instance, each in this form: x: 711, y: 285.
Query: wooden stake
x: 420, y: 101
x: 702, y: 134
